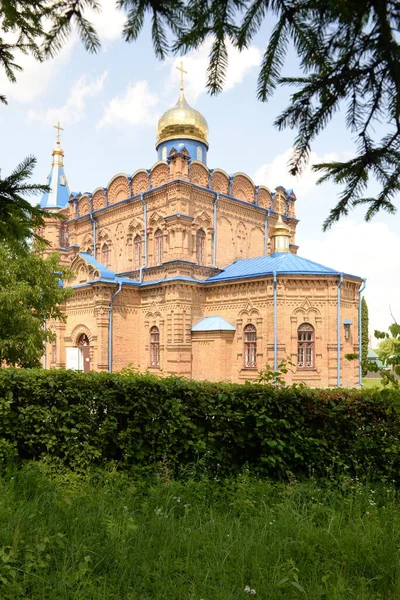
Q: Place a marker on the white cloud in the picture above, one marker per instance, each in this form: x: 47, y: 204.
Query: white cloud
x: 277, y: 172
x: 134, y: 107
x: 196, y: 63
x: 73, y: 110
x: 108, y: 22
x: 36, y: 76
x: 370, y: 250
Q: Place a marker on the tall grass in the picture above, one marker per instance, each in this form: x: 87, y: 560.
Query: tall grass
x: 106, y: 536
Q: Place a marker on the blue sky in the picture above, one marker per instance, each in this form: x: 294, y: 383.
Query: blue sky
x: 109, y: 104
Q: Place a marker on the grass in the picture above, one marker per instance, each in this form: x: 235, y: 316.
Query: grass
x: 372, y: 383
x: 105, y: 536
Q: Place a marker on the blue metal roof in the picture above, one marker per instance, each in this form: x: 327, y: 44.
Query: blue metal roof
x: 105, y: 273
x: 59, y: 192
x: 282, y: 263
x: 213, y: 324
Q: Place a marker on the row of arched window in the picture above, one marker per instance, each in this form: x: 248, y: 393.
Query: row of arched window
x: 305, y: 347
x: 158, y: 249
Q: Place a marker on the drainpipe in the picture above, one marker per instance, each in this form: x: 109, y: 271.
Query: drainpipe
x: 275, y: 325
x: 362, y: 288
x: 110, y: 327
x: 215, y: 231
x: 266, y: 232
x: 94, y: 229
x: 338, y: 327
x: 145, y: 236
x: 45, y: 344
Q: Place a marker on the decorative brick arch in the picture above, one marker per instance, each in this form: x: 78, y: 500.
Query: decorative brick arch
x: 118, y: 189
x: 140, y: 182
x: 220, y: 181
x: 198, y: 173
x: 78, y: 331
x: 243, y: 187
x: 84, y: 206
x: 264, y: 197
x: 159, y: 174
x: 98, y: 199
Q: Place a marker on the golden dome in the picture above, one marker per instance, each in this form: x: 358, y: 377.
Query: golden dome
x: 182, y: 121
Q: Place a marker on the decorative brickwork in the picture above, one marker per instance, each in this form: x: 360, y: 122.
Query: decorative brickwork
x: 158, y: 237
x: 118, y: 189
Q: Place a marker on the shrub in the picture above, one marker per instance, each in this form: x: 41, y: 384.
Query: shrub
x: 142, y: 421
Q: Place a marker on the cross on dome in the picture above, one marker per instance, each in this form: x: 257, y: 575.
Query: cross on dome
x: 59, y: 128
x: 182, y: 71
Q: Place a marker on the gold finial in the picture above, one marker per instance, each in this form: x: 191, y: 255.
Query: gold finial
x: 182, y: 71
x: 59, y: 128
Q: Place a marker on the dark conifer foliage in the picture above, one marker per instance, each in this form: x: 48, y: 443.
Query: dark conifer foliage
x: 349, y: 55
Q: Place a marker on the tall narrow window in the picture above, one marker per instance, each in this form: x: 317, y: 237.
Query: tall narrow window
x: 200, y: 242
x: 54, y: 352
x: 154, y: 347
x: 137, y: 249
x: 63, y: 235
x: 199, y: 153
x: 305, y: 346
x: 250, y: 346
x: 105, y: 255
x: 158, y: 243
x: 164, y: 154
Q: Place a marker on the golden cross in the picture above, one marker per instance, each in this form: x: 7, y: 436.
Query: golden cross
x: 182, y: 71
x: 59, y: 128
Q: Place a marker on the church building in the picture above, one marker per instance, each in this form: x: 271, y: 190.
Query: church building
x: 183, y: 269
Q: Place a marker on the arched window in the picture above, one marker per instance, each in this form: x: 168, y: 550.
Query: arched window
x: 83, y: 340
x: 154, y: 347
x: 137, y: 249
x: 199, y: 153
x: 250, y: 346
x: 200, y: 243
x: 158, y: 247
x: 305, y: 346
x: 105, y: 255
x: 164, y: 154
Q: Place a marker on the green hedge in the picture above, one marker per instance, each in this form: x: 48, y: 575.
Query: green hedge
x: 140, y: 420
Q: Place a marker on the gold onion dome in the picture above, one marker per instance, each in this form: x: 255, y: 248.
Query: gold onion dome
x: 182, y: 121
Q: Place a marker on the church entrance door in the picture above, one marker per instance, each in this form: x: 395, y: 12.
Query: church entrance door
x: 83, y: 345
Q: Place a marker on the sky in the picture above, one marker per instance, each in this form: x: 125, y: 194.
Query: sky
x: 109, y: 103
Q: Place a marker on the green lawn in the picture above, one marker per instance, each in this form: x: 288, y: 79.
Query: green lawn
x: 370, y: 382
x: 106, y: 536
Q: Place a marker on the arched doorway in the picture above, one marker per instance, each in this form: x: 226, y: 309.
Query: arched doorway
x: 84, y: 348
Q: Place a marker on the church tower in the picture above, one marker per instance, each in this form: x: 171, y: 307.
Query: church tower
x: 182, y: 127
x: 57, y: 197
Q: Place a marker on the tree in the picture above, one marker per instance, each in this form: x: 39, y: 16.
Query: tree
x: 364, y: 331
x: 30, y: 293
x: 386, y: 348
x: 40, y: 27
x: 19, y: 220
x: 349, y: 53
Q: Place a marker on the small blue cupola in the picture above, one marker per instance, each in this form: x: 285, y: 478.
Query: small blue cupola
x: 59, y: 192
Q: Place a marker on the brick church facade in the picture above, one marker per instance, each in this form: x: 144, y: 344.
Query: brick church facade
x: 181, y: 269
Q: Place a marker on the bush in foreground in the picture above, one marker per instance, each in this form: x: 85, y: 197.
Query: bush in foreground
x: 140, y: 420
